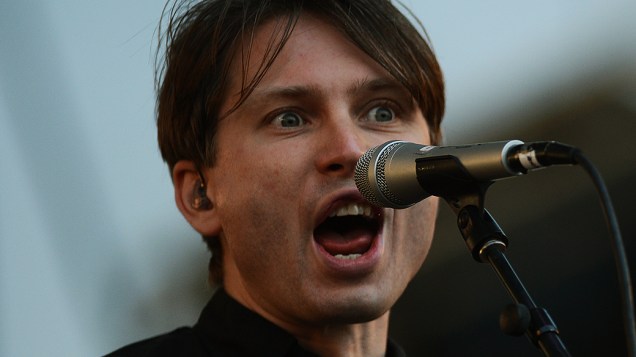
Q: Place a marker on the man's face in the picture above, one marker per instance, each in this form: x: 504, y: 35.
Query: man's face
x: 300, y: 245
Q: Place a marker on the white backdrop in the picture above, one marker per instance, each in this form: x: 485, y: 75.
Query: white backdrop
x: 93, y: 253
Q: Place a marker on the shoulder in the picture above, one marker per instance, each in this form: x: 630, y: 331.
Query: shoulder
x: 180, y: 342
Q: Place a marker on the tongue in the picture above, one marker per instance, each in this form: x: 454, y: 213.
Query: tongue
x: 353, y: 241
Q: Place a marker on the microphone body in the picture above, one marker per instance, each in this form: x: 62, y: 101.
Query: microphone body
x: 398, y: 174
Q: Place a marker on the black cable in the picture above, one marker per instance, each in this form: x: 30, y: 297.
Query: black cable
x: 622, y: 266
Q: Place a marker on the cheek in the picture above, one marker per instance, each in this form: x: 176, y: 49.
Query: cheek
x: 252, y: 198
x: 419, y: 228
x: 256, y: 197
x: 244, y: 174
x: 256, y: 231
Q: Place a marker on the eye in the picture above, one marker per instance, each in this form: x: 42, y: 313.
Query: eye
x: 288, y: 120
x: 381, y: 114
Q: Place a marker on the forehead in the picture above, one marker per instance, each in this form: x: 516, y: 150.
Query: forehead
x: 316, y: 55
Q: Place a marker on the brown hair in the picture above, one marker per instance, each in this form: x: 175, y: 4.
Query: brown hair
x: 200, y: 40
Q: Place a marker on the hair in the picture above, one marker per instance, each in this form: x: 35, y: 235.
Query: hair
x: 200, y: 41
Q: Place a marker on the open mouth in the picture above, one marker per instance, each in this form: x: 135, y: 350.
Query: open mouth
x: 349, y: 231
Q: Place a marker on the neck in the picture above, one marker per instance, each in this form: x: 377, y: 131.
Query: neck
x: 335, y: 340
x: 364, y: 339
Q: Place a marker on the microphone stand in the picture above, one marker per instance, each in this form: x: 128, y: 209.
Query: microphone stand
x: 487, y: 243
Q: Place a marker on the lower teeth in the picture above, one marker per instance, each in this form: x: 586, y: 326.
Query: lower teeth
x: 348, y: 256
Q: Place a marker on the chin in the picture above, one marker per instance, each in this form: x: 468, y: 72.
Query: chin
x: 356, y: 306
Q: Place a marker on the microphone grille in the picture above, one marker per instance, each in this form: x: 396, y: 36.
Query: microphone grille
x: 370, y: 176
x: 386, y: 197
x: 361, y: 175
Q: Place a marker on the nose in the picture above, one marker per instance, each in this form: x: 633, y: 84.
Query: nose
x: 341, y: 145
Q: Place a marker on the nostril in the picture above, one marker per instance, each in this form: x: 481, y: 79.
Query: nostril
x: 335, y: 167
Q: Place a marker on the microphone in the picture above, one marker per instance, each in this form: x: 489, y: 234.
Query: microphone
x: 398, y: 174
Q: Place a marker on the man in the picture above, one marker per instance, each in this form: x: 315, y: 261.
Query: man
x: 264, y: 108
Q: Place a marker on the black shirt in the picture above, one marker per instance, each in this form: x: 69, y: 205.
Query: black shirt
x: 226, y: 329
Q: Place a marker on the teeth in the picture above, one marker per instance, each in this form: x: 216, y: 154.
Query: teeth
x: 348, y: 256
x: 352, y: 209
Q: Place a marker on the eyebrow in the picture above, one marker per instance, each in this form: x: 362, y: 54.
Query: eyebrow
x: 290, y: 92
x: 377, y: 84
x: 298, y: 92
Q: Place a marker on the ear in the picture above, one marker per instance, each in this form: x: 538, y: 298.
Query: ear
x: 188, y: 194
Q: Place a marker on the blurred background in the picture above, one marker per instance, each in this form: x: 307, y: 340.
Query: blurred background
x: 95, y: 255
